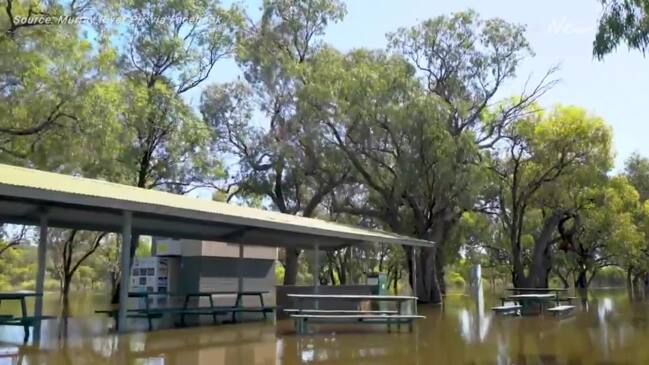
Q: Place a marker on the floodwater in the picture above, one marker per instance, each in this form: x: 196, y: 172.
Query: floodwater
x: 608, y: 328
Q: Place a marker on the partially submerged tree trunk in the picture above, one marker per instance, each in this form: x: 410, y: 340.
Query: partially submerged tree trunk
x: 539, y: 269
x: 427, y: 287
x: 581, y: 282
x: 629, y: 278
x: 440, y: 262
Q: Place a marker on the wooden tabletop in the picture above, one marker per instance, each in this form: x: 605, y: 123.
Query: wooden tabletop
x: 352, y: 297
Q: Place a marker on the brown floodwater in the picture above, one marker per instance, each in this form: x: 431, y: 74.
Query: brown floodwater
x: 608, y: 328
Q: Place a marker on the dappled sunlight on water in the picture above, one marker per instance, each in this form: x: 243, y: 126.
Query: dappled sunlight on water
x: 608, y: 328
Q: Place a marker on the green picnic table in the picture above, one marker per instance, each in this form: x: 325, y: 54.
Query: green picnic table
x: 151, y: 313
x: 24, y: 320
x: 236, y: 308
x: 528, y: 301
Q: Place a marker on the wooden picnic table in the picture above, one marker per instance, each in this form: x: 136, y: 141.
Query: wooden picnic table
x: 368, y: 316
x: 24, y: 320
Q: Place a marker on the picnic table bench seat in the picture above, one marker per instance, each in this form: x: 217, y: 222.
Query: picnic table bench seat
x: 302, y: 316
x: 507, y: 309
x: 566, y: 299
x: 561, y: 309
x: 303, y: 319
x: 159, y: 312
x: 505, y: 300
x: 338, y: 311
x: 25, y: 322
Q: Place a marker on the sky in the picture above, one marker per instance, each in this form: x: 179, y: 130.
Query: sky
x: 560, y: 33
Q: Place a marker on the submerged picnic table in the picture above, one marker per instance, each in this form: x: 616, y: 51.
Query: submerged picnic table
x: 303, y: 315
x: 24, y: 320
x: 237, y: 308
x: 151, y: 313
x: 529, y: 298
x: 527, y: 301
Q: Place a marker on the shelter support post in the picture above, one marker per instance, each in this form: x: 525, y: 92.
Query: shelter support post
x: 40, y: 275
x: 125, y: 266
x: 240, y: 269
x: 415, y: 250
x: 316, y: 273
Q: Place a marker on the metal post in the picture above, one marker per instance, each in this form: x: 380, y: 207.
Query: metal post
x: 40, y: 276
x: 125, y: 266
x: 316, y: 274
x: 154, y: 246
x: 414, y: 277
x: 240, y: 269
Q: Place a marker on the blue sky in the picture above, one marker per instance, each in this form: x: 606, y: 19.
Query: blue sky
x: 560, y: 32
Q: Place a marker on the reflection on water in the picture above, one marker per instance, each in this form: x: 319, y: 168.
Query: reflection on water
x: 474, y: 322
x: 612, y: 329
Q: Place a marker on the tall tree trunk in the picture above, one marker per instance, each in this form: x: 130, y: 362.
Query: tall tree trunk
x: 539, y: 269
x: 65, y: 296
x: 582, y: 279
x: 440, y: 262
x: 397, y: 276
x: 629, y: 278
x: 426, y: 287
x: 290, y: 269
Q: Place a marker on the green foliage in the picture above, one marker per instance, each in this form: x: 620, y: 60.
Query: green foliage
x: 636, y: 168
x: 18, y: 268
x: 622, y: 22
x: 455, y: 279
x: 546, y: 162
x: 53, y: 81
x: 279, y: 273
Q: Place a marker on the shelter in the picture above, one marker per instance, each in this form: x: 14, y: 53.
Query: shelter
x: 33, y: 197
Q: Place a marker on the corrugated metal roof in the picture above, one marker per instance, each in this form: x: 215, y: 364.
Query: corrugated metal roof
x: 23, y: 183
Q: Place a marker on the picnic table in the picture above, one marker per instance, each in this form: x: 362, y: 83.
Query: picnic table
x: 24, y: 320
x: 151, y: 313
x: 236, y: 308
x: 530, y: 300
x: 556, y: 291
x: 145, y: 312
x: 303, y: 315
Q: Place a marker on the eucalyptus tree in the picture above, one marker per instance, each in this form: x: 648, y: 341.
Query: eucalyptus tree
x: 636, y: 169
x: 416, y: 132
x: 69, y: 250
x: 608, y: 231
x: 279, y: 152
x: 56, y: 92
x: 545, y: 159
x: 165, y: 50
x: 377, y: 115
x: 622, y: 22
x: 636, y: 262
